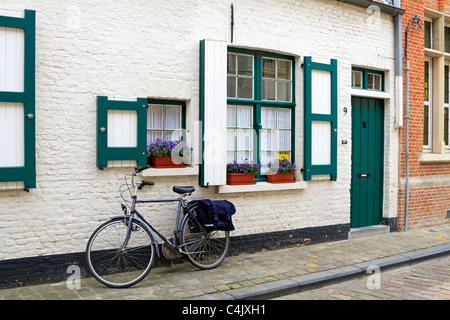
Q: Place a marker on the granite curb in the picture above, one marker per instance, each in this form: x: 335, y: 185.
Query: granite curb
x: 316, y: 280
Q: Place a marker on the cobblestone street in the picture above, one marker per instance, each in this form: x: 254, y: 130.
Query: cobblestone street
x: 428, y: 280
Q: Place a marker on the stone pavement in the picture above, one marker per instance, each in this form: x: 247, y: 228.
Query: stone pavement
x: 261, y: 275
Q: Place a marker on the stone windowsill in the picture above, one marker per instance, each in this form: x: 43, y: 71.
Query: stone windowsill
x: 166, y: 172
x: 263, y: 186
x: 434, y: 157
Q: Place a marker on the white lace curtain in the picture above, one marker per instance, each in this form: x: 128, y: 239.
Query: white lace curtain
x: 163, y: 122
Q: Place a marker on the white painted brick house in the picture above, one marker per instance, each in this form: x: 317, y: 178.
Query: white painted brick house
x: 64, y: 65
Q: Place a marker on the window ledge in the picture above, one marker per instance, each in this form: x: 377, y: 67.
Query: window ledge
x: 434, y: 157
x: 165, y: 172
x: 263, y: 186
x: 432, y: 53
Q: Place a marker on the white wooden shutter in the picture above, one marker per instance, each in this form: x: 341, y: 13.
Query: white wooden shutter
x: 213, y: 111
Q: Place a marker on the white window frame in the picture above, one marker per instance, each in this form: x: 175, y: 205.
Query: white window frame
x: 429, y: 103
x: 354, y: 72
x: 377, y: 80
x: 430, y: 20
x: 447, y: 104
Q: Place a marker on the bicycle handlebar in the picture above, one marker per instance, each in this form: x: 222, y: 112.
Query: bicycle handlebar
x: 139, y: 169
x: 145, y: 183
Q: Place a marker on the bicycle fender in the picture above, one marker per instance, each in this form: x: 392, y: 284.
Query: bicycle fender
x: 154, y: 240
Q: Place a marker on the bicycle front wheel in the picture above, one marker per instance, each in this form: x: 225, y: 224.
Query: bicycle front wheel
x: 204, y: 249
x: 114, y: 265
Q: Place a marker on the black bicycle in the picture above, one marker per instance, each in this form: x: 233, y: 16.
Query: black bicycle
x: 121, y: 251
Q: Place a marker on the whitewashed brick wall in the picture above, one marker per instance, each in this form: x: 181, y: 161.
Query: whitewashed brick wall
x: 143, y: 48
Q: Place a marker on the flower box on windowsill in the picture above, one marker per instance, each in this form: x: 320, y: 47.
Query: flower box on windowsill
x: 235, y: 179
x: 164, y: 162
x: 280, y: 177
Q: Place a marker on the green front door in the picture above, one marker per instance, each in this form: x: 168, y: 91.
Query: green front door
x: 367, y: 161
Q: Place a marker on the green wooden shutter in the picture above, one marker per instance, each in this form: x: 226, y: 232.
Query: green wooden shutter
x: 320, y: 81
x: 22, y: 95
x: 121, y: 131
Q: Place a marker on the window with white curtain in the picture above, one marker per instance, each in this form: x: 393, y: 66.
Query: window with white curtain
x: 260, y: 107
x: 239, y: 133
x: 275, y: 135
x: 164, y: 122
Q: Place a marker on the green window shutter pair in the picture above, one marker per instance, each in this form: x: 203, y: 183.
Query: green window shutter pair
x: 320, y: 138
x: 121, y: 131
x: 18, y: 99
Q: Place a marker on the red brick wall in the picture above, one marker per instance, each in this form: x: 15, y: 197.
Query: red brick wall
x: 427, y: 205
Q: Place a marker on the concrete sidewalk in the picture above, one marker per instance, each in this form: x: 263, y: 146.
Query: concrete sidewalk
x: 264, y: 274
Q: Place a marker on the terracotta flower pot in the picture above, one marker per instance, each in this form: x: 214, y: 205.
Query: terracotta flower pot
x: 281, y: 177
x: 164, y: 162
x: 240, y: 179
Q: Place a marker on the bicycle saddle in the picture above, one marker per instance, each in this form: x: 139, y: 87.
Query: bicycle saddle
x: 181, y: 190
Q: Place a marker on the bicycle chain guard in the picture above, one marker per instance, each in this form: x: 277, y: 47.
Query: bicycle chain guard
x: 170, y: 252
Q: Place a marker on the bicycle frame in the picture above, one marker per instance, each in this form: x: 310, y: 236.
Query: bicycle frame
x: 176, y: 241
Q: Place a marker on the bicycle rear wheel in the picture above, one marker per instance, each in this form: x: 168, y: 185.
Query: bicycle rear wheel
x: 204, y: 249
x: 116, y: 267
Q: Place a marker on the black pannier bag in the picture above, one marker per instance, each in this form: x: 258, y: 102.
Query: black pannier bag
x: 216, y: 214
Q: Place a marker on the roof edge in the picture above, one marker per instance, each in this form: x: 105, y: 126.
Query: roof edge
x: 385, y: 8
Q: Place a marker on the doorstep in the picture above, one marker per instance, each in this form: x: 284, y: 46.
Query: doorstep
x: 368, y: 231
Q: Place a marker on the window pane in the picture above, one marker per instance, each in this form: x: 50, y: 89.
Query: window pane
x: 241, y: 155
x: 370, y: 81
x: 284, y: 91
x: 267, y: 157
x: 231, y: 87
x: 425, y: 125
x: 284, y: 118
x: 231, y: 155
x: 172, y: 117
x: 268, y: 118
x: 231, y: 116
x: 245, y: 88
x: 244, y: 139
x: 153, y: 135
x: 377, y: 80
x: 269, y: 68
x: 284, y: 140
x: 428, y: 34
x: 231, y: 65
x: 284, y: 70
x: 268, y: 89
x: 268, y: 140
x: 446, y: 84
x: 447, y: 39
x: 427, y: 80
x: 155, y: 116
x: 245, y: 65
x: 231, y: 139
x: 357, y: 79
x: 446, y: 119
x: 172, y: 135
x: 244, y: 117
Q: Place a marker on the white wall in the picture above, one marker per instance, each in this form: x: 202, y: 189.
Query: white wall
x: 142, y: 48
